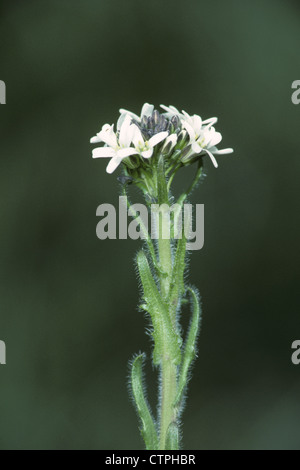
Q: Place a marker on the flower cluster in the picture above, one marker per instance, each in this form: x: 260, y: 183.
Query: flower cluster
x: 138, y: 140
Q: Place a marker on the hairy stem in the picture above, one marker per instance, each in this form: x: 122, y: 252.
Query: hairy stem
x: 163, y: 293
x: 168, y: 396
x: 168, y: 366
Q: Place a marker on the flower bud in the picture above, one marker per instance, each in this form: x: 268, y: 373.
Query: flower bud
x: 144, y: 121
x: 156, y: 117
x: 169, y: 144
x: 150, y: 123
x: 186, y: 154
x: 182, y: 138
x: 175, y: 121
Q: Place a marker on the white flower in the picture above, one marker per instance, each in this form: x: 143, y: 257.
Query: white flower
x: 117, y: 147
x: 203, y: 136
x: 143, y: 147
x: 171, y: 111
x: 132, y: 137
x: 196, y: 121
x: 147, y: 111
x: 96, y: 139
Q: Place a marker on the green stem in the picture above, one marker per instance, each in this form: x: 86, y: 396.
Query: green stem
x: 168, y: 366
x: 163, y: 227
x: 165, y: 262
x: 168, y: 396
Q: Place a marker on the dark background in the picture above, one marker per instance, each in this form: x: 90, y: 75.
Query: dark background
x: 68, y: 300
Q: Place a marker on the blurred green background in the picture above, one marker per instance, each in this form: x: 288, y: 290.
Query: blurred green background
x: 68, y: 300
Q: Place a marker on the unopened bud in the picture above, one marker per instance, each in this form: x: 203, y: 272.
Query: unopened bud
x: 169, y: 144
x: 156, y: 117
x: 186, y: 154
x: 150, y: 123
x: 182, y: 138
x: 175, y: 121
x: 144, y: 121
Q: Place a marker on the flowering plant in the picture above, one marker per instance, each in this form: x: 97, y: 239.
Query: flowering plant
x: 152, y: 147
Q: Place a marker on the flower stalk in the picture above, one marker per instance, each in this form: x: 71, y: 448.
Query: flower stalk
x: 152, y: 148
x: 169, y: 368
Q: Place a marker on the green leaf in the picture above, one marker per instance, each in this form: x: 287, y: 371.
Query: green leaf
x: 148, y: 428
x: 190, y: 347
x: 166, y: 339
x: 172, y: 439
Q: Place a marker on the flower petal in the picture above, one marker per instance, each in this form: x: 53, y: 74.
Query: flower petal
x: 207, y: 136
x: 113, y: 164
x: 123, y: 153
x: 196, y: 147
x: 96, y: 139
x: 223, y: 151
x: 190, y: 130
x: 147, y: 153
x: 171, y: 110
x: 197, y: 124
x: 157, y: 138
x: 121, y: 120
x: 187, y: 117
x: 125, y: 134
x: 133, y: 115
x: 147, y: 110
x: 210, y: 122
x: 216, y: 138
x: 215, y: 163
x: 137, y: 137
x: 108, y: 136
x: 103, y: 152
